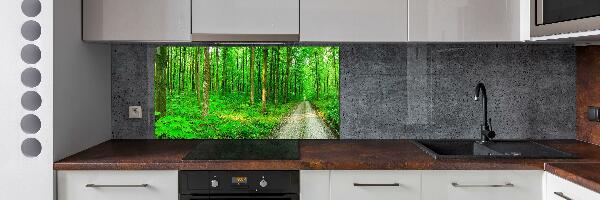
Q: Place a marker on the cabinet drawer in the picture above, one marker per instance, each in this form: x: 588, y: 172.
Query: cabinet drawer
x: 482, y: 184
x: 117, y: 185
x: 560, y: 189
x: 380, y: 185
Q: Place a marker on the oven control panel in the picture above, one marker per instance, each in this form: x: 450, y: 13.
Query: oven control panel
x: 228, y: 182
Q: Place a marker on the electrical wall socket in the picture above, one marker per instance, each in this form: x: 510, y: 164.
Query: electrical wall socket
x: 135, y: 112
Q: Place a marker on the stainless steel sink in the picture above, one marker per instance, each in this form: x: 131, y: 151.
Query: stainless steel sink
x: 456, y: 149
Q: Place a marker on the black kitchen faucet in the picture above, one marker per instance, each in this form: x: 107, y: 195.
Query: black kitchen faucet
x: 487, y: 134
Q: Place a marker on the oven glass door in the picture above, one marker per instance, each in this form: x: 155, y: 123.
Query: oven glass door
x: 554, y: 11
x: 241, y: 197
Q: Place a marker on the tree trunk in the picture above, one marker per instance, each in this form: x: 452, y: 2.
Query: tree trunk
x: 276, y: 83
x: 206, y: 82
x: 335, y: 73
x: 326, y: 85
x: 242, y: 82
x: 316, y: 75
x: 161, y: 82
x: 180, y: 73
x: 216, y: 77
x: 192, y: 69
x: 237, y: 78
x: 252, y: 76
x: 264, y: 81
x: 197, y: 80
x: 258, y: 70
x: 270, y: 81
x: 287, y: 74
x: 224, y: 72
x: 169, y: 66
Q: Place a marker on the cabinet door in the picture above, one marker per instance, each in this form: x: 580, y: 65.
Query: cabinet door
x: 353, y: 20
x: 481, y: 184
x: 379, y: 185
x: 468, y: 20
x: 245, y: 20
x: 117, y: 185
x: 136, y: 20
x: 314, y: 185
x: 560, y: 189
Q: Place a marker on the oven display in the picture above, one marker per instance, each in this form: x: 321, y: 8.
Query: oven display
x: 239, y: 180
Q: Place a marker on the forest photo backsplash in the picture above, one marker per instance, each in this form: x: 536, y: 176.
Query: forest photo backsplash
x: 250, y: 92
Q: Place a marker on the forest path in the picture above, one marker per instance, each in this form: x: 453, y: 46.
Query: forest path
x: 303, y: 123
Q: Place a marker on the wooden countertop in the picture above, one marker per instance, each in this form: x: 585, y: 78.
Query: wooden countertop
x: 314, y: 154
x: 331, y: 155
x: 584, y: 174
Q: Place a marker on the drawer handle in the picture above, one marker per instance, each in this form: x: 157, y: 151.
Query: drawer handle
x: 116, y: 186
x: 376, y: 184
x: 562, y: 195
x: 475, y: 186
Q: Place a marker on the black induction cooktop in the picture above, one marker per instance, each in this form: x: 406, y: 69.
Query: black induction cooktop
x: 245, y: 150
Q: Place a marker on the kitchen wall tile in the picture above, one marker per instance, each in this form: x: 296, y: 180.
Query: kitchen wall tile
x: 421, y: 91
x: 132, y: 69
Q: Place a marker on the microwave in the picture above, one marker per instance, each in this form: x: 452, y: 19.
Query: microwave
x: 553, y: 17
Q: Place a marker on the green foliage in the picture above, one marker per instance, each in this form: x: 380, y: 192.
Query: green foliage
x: 231, y: 117
x: 329, y: 110
x: 292, y: 75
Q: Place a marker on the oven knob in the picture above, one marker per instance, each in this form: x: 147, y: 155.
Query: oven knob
x: 214, y: 183
x: 263, y: 183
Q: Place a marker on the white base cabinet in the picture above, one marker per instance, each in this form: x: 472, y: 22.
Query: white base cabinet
x: 560, y: 189
x: 380, y: 185
x: 117, y: 185
x: 482, y: 184
x: 314, y: 184
x: 342, y: 185
x: 422, y: 185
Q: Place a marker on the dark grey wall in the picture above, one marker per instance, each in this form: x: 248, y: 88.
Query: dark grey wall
x: 412, y: 90
x: 426, y: 91
x: 132, y: 85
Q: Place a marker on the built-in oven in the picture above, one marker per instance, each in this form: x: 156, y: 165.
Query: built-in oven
x: 552, y: 17
x: 239, y: 185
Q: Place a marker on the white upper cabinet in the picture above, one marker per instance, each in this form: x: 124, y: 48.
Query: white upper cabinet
x: 307, y: 20
x: 354, y: 20
x: 245, y: 20
x: 136, y: 20
x: 468, y: 20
